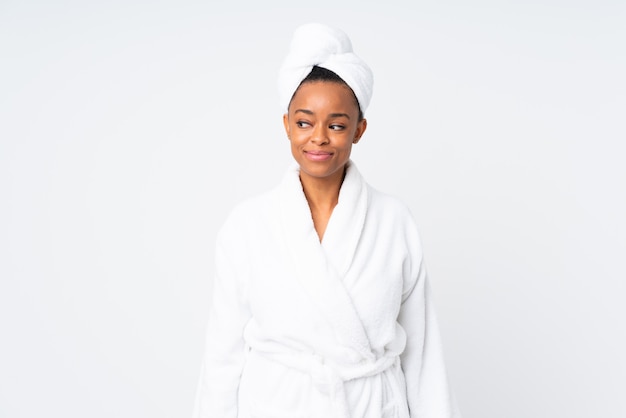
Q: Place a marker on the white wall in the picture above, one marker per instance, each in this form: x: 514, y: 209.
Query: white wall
x: 128, y: 129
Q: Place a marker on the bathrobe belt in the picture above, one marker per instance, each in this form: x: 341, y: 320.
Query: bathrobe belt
x: 329, y: 378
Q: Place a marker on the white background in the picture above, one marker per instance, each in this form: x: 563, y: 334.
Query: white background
x: 128, y: 130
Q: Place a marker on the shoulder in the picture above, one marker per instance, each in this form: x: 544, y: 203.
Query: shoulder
x: 394, y: 216
x: 395, y: 219
x: 388, y: 205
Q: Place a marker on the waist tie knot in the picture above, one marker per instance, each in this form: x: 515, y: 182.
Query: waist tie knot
x: 329, y: 379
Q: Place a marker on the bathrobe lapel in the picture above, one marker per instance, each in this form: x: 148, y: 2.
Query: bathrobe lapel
x: 345, y: 226
x: 320, y: 267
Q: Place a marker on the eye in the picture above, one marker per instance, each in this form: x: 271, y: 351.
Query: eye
x: 302, y: 124
x: 337, y: 127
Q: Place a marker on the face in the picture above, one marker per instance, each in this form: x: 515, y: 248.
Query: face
x: 322, y: 124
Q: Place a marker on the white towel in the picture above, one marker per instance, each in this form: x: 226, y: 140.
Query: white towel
x: 327, y: 47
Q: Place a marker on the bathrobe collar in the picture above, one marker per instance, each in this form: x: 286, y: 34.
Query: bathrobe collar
x: 320, y: 267
x: 346, y: 223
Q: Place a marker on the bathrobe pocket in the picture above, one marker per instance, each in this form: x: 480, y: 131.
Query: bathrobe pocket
x: 271, y: 390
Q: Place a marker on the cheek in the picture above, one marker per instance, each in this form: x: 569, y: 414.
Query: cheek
x: 297, y: 139
x: 346, y: 141
x: 345, y: 148
x: 295, y: 147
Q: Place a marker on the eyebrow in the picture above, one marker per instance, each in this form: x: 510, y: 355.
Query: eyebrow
x: 332, y: 115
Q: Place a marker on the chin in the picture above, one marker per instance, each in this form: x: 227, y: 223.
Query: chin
x: 321, y: 172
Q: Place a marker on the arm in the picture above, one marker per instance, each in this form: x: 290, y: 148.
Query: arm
x: 225, y: 348
x: 428, y: 392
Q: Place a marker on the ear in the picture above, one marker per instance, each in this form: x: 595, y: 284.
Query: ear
x: 286, y: 124
x: 360, y: 130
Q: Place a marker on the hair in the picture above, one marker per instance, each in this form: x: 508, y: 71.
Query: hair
x: 327, y: 76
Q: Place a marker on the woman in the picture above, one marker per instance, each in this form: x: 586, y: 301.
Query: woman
x: 321, y: 305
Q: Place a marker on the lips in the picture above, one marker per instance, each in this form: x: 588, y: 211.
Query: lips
x: 318, y: 155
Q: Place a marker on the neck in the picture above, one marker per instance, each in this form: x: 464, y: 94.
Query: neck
x: 322, y: 194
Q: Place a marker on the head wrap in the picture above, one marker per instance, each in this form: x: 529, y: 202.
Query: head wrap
x: 327, y: 47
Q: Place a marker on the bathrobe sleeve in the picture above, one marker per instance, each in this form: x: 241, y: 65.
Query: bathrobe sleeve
x: 428, y: 392
x: 225, y: 348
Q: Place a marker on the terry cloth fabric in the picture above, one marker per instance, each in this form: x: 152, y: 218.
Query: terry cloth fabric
x: 342, y: 328
x: 330, y: 48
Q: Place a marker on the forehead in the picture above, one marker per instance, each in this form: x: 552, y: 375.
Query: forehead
x: 324, y: 94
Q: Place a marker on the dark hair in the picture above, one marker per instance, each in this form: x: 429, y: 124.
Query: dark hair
x: 325, y: 75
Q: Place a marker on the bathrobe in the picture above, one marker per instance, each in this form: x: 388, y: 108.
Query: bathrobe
x: 340, y: 328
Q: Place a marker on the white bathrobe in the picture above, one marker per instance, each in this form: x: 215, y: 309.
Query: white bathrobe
x: 343, y: 328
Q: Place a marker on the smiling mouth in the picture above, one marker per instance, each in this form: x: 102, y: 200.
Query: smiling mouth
x: 318, y: 155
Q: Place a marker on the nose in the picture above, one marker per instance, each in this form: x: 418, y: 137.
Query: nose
x: 319, y: 136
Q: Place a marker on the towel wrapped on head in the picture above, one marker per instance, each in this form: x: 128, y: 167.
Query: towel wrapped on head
x: 320, y: 45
